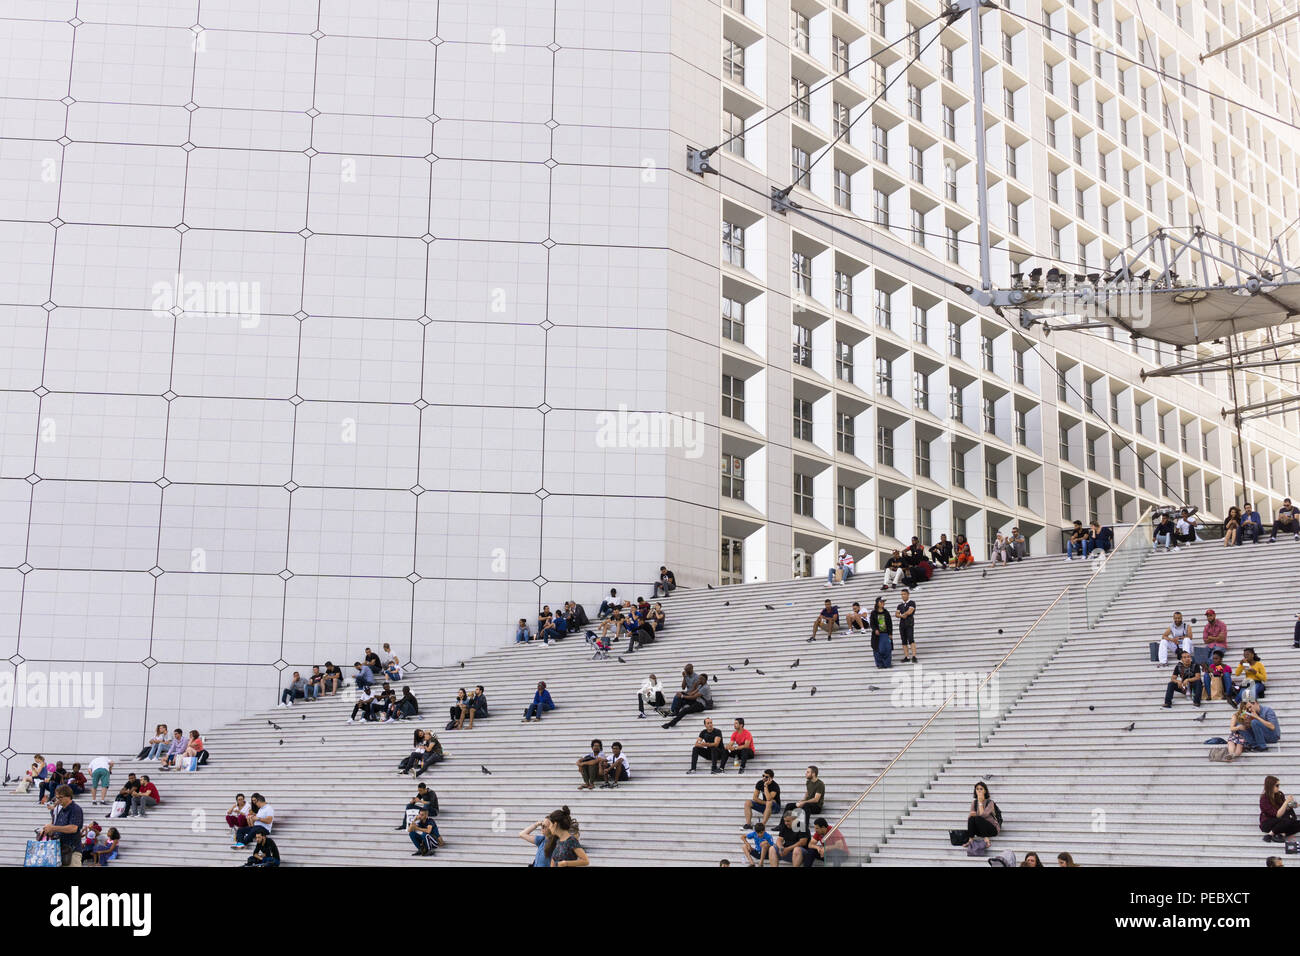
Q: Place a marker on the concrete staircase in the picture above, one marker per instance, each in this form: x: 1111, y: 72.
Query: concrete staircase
x: 1068, y: 776
x: 337, y: 796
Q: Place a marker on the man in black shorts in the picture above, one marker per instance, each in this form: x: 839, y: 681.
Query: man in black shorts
x: 906, y: 616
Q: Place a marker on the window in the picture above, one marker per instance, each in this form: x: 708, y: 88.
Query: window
x: 956, y: 410
x: 1022, y: 489
x: 802, y: 107
x: 801, y: 272
x: 884, y: 308
x: 803, y: 414
x: 1056, y: 242
x: 799, y: 31
x: 1078, y: 203
x: 733, y: 397
x: 1022, y: 427
x: 840, y: 122
x: 1114, y: 407
x: 954, y: 339
x: 800, y: 167
x: 986, y: 353
x: 923, y: 458
x: 958, y: 473
x: 921, y: 390
x: 989, y: 414
x: 950, y: 182
x: 844, y: 361
x: 846, y: 512
x: 1006, y: 46
x: 1074, y: 96
x: 924, y: 523
x: 880, y: 143
x: 733, y: 61
x: 843, y: 189
x: 953, y: 243
x: 920, y: 325
x: 949, y: 123
x: 884, y: 445
x: 1012, y: 169
x: 1063, y: 446
x: 803, y: 495
x: 1009, y: 104
x: 884, y: 378
x: 843, y: 291
x: 733, y: 319
x: 990, y: 479
x: 802, y: 346
x: 1054, y: 187
x: 878, y: 16
x: 914, y: 101
x: 1160, y: 429
x: 844, y: 433
x: 1138, y: 424
x: 733, y: 477
x: 1091, y: 454
x: 1116, y: 469
x: 733, y: 133
x: 946, y: 62
x: 733, y: 244
x: 1205, y: 446
x: 918, y: 227
x: 1051, y: 132
x: 885, y: 519
x: 839, y: 54
x: 916, y: 163
x: 1078, y: 150
x: 1018, y: 366
x: 1061, y: 394
x: 880, y: 204
x: 1049, y: 79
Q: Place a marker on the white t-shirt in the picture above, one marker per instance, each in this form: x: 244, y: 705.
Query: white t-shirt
x: 264, y: 817
x: 99, y: 763
x: 621, y: 759
x: 847, y: 561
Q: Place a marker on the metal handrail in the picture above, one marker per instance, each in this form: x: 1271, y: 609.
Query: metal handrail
x: 1142, y: 520
x: 880, y: 776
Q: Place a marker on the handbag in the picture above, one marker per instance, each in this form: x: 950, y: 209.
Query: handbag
x: 43, y: 853
x: 1219, y: 754
x: 1216, y: 688
x: 118, y: 810
x: 978, y: 846
x: 958, y: 837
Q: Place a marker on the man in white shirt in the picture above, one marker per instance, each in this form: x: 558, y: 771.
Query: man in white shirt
x: 366, y: 704
x: 263, y: 818
x: 652, y: 693
x: 1175, y: 638
x: 616, y: 768
x: 844, y: 565
x: 101, y: 769
x: 1185, y: 527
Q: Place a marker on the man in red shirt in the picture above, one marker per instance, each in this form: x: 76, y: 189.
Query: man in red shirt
x: 741, y: 746
x: 1215, y: 635
x: 145, y: 797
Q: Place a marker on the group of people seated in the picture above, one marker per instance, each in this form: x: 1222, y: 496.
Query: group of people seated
x: 382, y: 705
x: 328, y: 681
x: 796, y: 841
x: 641, y: 623
x: 610, y: 768
x: 426, y: 750
x: 1245, y: 524
x: 553, y: 626
x: 1175, y: 529
x: 417, y: 820
x: 250, y: 823
x: 1089, y: 541
x: 909, y: 567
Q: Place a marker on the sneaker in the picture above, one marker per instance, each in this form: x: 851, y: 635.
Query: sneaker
x: 1068, y: 558
x: 746, y: 827
x: 238, y: 846
x: 641, y: 716
x: 351, y: 720
x: 691, y: 771
x: 1166, y: 706
x: 716, y: 770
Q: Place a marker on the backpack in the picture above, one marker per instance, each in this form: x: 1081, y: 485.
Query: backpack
x: 1005, y: 858
x: 958, y: 837
x: 997, y: 812
x: 978, y: 847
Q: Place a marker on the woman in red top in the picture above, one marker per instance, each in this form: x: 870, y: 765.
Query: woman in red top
x: 1277, y: 817
x: 195, y: 746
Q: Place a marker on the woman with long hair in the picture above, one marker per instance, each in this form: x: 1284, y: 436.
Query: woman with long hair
x: 983, y: 818
x: 538, y: 834
x: 1231, y: 526
x: 1064, y: 859
x: 562, y: 845
x: 1277, y: 818
x: 459, y: 709
x: 1032, y: 859
x: 158, y: 742
x: 962, y: 556
x: 237, y: 815
x: 882, y: 630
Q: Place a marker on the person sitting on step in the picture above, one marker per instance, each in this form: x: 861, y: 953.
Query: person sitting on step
x: 856, y: 620
x: 791, y: 837
x: 541, y: 703
x: 1174, y: 639
x: 1277, y: 816
x: 1252, y: 526
x: 423, y: 832
x: 667, y: 583
x: 1217, y: 668
x: 652, y: 693
x: 1080, y: 537
x: 1231, y: 526
x: 1250, y: 675
x: 941, y: 552
x: 609, y: 605
x: 616, y: 768
x: 424, y: 799
x: 1102, y: 540
x: 982, y: 821
x: 1264, y: 728
x: 828, y: 619
x: 893, y: 571
x: 740, y: 746
x: 707, y: 744
x: 592, y: 765
x: 693, y: 700
x: 962, y: 557
x: 1163, y: 535
x: 1185, y: 679
x: 1287, y: 521
x: 1215, y: 633
x: 765, y: 798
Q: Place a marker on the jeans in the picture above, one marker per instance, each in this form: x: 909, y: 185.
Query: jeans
x: 658, y: 586
x: 1249, y: 530
x: 883, y: 650
x: 247, y: 835
x: 142, y: 802
x: 1162, y: 541
x: 1260, y: 736
x: 830, y: 575
x: 684, y: 708
x: 1195, y: 687
x: 744, y: 755
x: 535, y: 710
x: 290, y: 694
x: 313, y: 691
x: 156, y: 751
x: 1076, y: 547
x: 1227, y: 685
x: 265, y: 861
x: 522, y: 635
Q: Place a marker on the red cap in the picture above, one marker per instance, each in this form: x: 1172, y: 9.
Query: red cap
x: 1209, y: 612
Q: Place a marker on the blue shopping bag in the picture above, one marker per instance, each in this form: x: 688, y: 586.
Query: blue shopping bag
x: 43, y: 853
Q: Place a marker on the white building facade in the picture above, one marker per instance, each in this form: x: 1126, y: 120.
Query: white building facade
x: 333, y: 327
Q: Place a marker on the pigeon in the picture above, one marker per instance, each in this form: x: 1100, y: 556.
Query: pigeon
x: 726, y: 604
x: 281, y: 741
x: 757, y: 671
x: 813, y: 693
x: 1200, y: 719
x: 872, y: 687
x: 1090, y: 707
x: 795, y: 664
x: 730, y: 668
x: 999, y: 630
x: 619, y: 659
x: 708, y: 585
x: 746, y: 662
x: 1129, y: 727
x: 769, y: 607
x: 794, y: 685
x: 462, y: 665
x: 985, y: 574
x: 322, y: 740
x: 484, y: 769
x: 304, y: 716
x: 275, y: 725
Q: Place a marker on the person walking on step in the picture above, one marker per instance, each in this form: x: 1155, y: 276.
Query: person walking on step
x: 827, y: 619
x: 765, y: 798
x: 882, y: 630
x: 984, y: 819
x: 694, y: 701
x: 1277, y: 816
x: 1173, y: 639
x: 652, y: 693
x: 906, y: 616
x: 1186, y: 678
x: 707, y: 744
x: 741, y: 746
